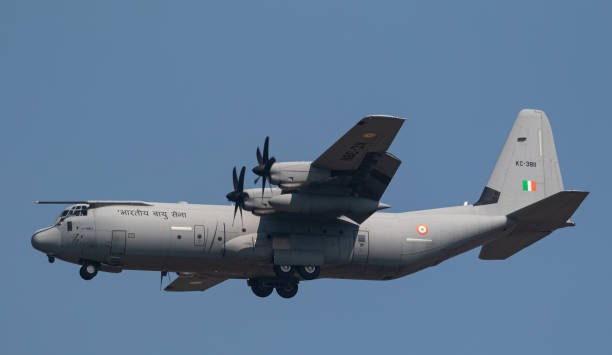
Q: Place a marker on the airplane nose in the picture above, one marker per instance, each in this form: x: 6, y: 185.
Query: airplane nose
x: 47, y: 240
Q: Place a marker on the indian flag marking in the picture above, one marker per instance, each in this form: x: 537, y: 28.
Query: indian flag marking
x: 422, y: 229
x: 529, y: 185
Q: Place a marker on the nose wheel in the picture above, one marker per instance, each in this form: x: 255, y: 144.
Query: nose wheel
x: 88, y: 271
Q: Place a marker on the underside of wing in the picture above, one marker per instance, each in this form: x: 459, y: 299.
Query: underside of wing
x: 372, y: 134
x: 193, y: 282
x: 371, y: 179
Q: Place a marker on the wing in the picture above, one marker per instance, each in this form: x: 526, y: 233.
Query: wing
x: 95, y: 203
x: 372, y: 134
x: 193, y: 282
x: 359, y: 161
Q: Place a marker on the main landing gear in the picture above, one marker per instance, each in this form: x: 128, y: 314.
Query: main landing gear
x: 88, y: 271
x: 285, y: 282
x: 263, y: 287
x: 307, y: 272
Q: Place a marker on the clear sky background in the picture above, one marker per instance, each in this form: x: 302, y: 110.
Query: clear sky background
x: 158, y: 100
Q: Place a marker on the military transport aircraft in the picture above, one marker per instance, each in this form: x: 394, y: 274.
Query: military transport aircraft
x: 321, y: 221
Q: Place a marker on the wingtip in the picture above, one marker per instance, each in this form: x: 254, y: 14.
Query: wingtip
x: 369, y: 117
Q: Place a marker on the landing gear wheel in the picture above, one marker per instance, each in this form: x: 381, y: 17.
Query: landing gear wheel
x: 287, y: 290
x: 284, y: 271
x: 260, y: 289
x: 309, y: 272
x: 88, y: 271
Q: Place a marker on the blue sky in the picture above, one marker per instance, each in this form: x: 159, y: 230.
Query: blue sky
x: 158, y: 100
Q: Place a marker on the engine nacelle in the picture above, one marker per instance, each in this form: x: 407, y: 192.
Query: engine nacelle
x: 260, y: 205
x: 323, y: 204
x: 293, y: 175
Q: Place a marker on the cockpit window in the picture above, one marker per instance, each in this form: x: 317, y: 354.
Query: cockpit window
x: 77, y: 210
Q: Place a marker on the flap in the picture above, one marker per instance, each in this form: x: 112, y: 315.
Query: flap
x: 376, y: 181
x: 193, y: 282
x: 372, y: 134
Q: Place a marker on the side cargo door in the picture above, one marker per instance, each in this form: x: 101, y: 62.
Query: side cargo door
x: 117, y: 249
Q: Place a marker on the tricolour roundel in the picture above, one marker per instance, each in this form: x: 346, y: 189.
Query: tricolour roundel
x: 422, y: 229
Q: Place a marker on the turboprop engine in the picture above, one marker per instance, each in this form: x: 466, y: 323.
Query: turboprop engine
x: 293, y: 175
x: 258, y: 203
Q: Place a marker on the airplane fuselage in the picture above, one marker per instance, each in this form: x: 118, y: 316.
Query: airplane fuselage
x: 205, y: 239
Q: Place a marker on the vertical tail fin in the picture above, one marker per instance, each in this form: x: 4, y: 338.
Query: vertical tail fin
x: 527, y: 169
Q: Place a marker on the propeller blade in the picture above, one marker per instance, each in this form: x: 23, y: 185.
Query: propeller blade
x: 235, y: 210
x: 263, y: 186
x: 259, y: 158
x: 265, y: 152
x: 256, y: 180
x: 235, y: 180
x: 241, y: 180
x: 241, y: 220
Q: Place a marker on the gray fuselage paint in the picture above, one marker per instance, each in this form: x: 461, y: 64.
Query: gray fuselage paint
x: 165, y: 237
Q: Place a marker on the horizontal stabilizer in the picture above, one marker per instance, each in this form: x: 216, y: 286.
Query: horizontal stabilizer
x: 507, y: 246
x: 550, y: 213
x: 533, y: 223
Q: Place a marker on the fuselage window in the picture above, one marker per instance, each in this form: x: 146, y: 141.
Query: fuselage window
x: 69, y: 226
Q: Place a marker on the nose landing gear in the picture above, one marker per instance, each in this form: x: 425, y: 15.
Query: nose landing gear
x: 88, y: 271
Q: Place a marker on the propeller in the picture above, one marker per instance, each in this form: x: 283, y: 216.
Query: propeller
x: 262, y: 170
x: 238, y: 196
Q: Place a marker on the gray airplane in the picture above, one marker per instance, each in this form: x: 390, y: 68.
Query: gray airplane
x: 321, y: 220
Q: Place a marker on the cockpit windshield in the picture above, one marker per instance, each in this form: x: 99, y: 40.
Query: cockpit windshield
x: 76, y: 210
